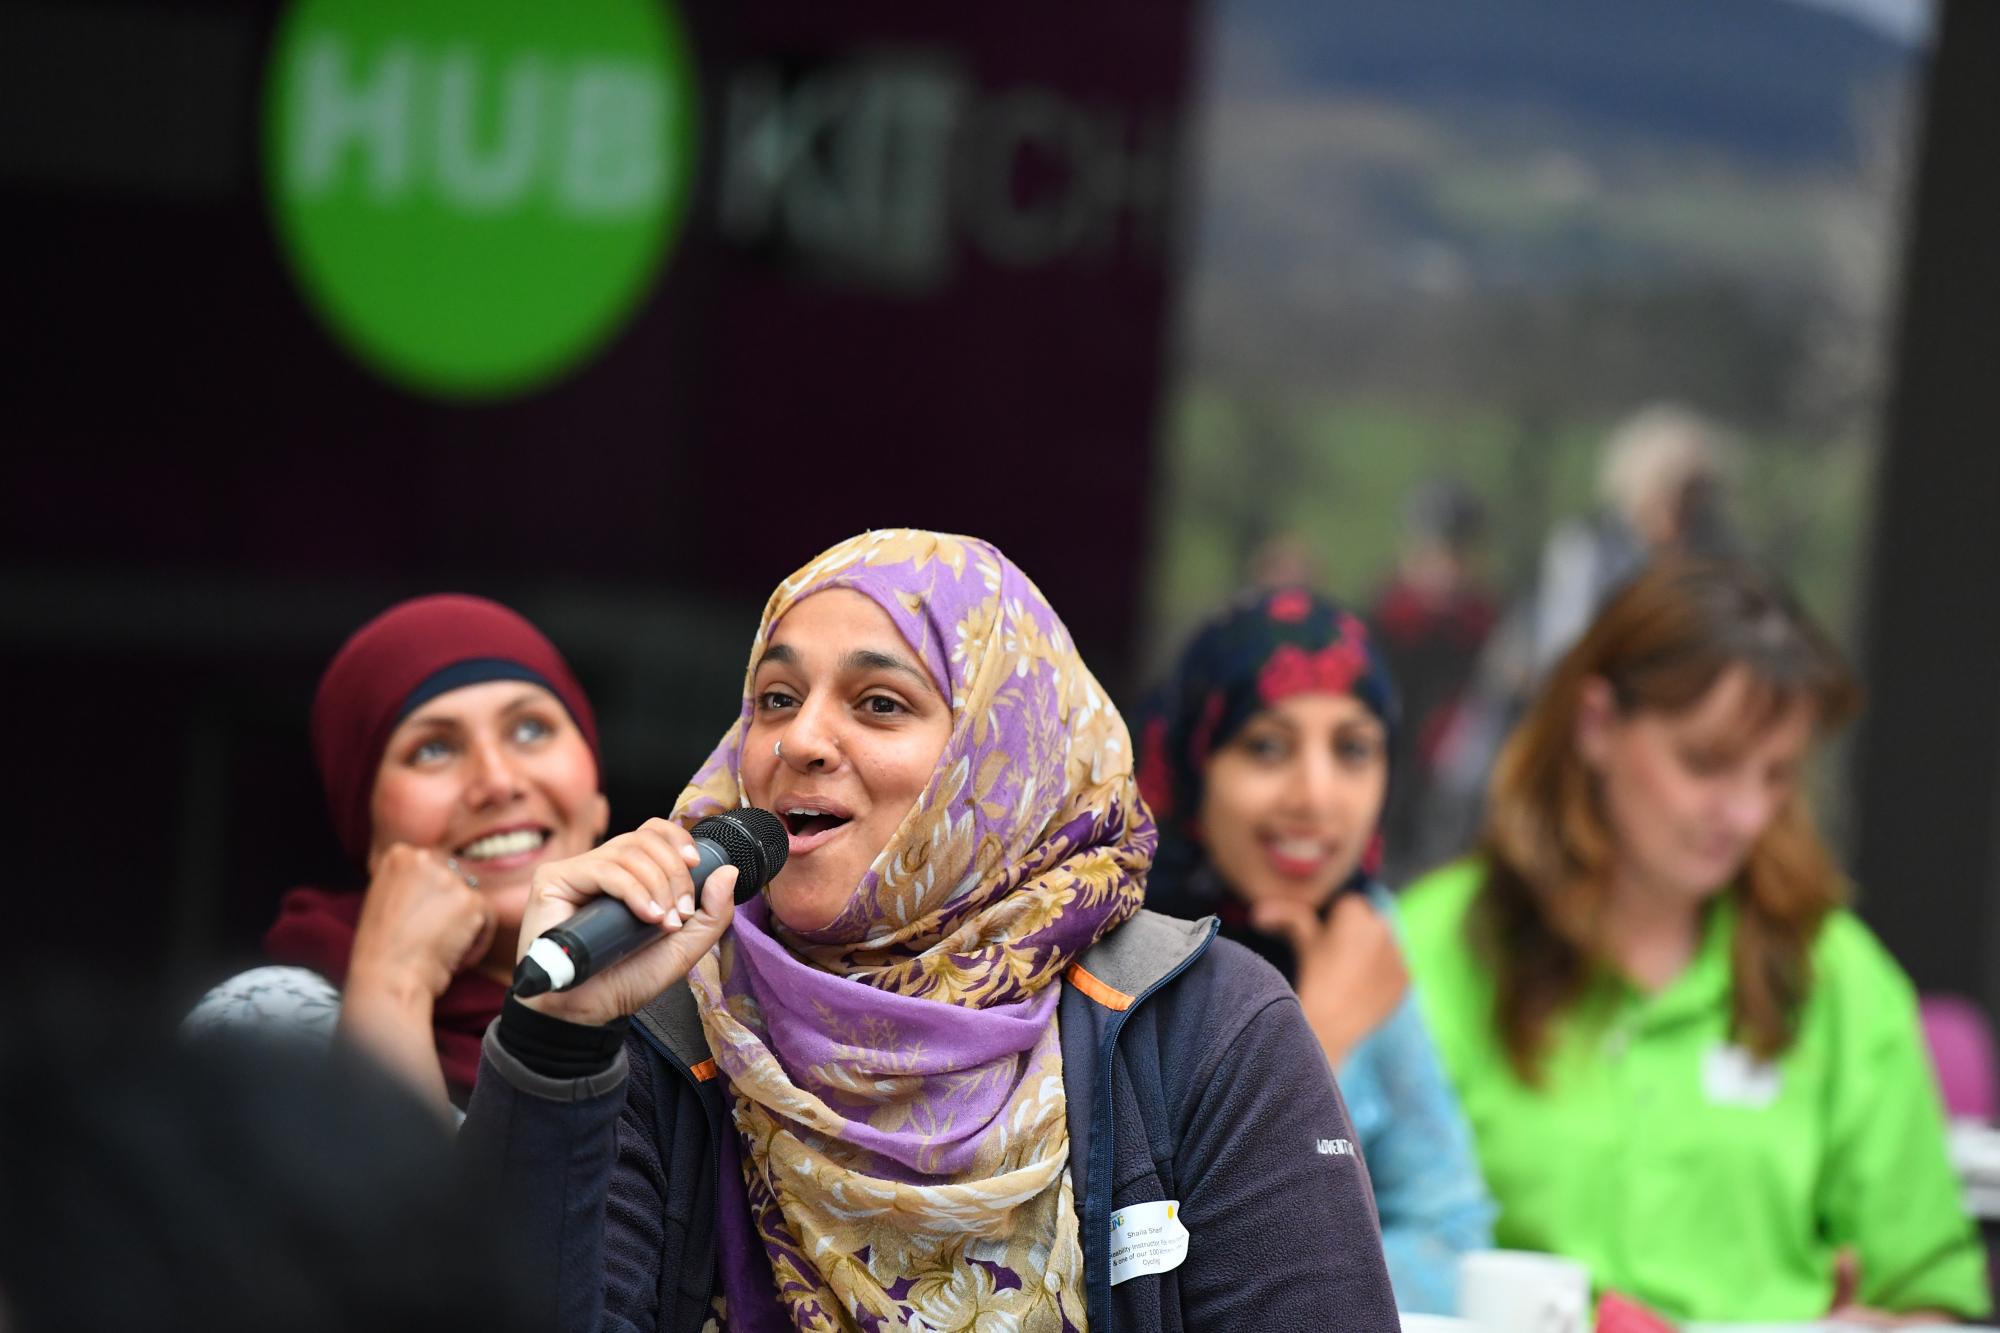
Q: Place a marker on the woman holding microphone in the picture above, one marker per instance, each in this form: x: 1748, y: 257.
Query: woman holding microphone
x: 944, y: 1073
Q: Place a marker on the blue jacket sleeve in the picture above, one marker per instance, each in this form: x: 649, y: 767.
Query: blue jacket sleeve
x: 1429, y: 1194
x: 1281, y: 1224
x: 566, y: 1162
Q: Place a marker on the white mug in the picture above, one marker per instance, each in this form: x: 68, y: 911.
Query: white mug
x: 1518, y: 1291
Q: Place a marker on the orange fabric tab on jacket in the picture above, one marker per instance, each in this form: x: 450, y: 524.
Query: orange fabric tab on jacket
x: 703, y: 1072
x: 1108, y: 996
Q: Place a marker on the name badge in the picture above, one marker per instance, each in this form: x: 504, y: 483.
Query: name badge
x: 1147, y: 1238
x: 1731, y: 1076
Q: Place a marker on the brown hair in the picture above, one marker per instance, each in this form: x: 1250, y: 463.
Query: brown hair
x: 1661, y: 643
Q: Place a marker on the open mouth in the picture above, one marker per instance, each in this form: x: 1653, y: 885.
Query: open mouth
x: 505, y: 845
x: 1297, y: 857
x: 811, y: 825
x: 805, y: 821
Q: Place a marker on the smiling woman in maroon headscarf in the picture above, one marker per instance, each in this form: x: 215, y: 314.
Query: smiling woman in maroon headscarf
x: 458, y: 753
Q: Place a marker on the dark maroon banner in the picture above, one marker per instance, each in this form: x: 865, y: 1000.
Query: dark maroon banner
x: 923, y: 279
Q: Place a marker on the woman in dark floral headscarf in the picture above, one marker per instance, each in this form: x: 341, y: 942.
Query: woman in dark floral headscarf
x: 1265, y: 759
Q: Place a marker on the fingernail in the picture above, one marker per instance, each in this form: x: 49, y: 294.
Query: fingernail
x: 691, y: 856
x: 686, y: 904
x: 673, y: 921
x: 653, y: 908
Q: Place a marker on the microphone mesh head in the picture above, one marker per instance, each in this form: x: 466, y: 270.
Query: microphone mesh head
x: 754, y: 840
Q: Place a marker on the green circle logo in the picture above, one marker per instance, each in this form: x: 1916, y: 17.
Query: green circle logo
x: 477, y: 193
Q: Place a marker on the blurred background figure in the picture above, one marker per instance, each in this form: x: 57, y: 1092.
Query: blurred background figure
x: 239, y: 1186
x: 1662, y: 490
x: 1284, y: 560
x: 1685, y: 1062
x: 458, y: 753
x: 1432, y: 616
x: 1266, y: 755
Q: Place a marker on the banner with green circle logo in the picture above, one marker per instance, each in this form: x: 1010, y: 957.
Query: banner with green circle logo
x: 476, y: 194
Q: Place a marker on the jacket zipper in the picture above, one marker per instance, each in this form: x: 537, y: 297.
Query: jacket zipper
x: 1101, y: 1154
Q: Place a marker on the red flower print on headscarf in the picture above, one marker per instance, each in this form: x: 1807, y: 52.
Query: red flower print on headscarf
x: 1292, y: 670
x: 1156, y: 784
x: 1288, y: 672
x: 1290, y: 606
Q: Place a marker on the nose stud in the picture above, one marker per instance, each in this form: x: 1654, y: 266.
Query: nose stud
x: 778, y: 748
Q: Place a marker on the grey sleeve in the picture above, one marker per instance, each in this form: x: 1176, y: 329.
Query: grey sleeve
x: 294, y: 1003
x: 1275, y: 1197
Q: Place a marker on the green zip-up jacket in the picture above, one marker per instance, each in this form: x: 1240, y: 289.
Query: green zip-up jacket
x: 1689, y: 1175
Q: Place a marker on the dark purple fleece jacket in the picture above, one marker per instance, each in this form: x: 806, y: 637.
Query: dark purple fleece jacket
x: 1190, y: 1075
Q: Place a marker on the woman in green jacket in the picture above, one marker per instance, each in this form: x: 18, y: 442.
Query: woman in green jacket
x: 1684, y: 1063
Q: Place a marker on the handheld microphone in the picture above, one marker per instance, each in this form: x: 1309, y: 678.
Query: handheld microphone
x: 605, y: 930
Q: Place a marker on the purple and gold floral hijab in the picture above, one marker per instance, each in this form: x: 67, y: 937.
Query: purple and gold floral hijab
x: 896, y: 1077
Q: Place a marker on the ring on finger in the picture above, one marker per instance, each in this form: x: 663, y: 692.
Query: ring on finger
x: 471, y: 880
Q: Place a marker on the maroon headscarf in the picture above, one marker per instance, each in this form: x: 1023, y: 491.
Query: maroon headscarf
x: 393, y: 665
x: 402, y: 659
